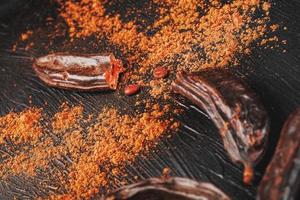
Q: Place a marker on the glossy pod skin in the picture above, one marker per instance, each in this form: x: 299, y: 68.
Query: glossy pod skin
x: 235, y: 110
x: 168, y: 189
x: 281, y: 180
x: 90, y: 72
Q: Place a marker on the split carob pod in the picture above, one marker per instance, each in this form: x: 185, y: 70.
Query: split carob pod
x: 235, y: 110
x: 168, y: 189
x: 281, y: 180
x: 89, y: 72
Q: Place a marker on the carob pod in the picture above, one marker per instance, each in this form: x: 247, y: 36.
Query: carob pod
x: 88, y: 72
x: 281, y: 180
x: 168, y: 189
x: 234, y: 108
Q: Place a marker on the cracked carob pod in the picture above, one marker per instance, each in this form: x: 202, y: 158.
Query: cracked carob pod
x: 90, y: 72
x: 281, y: 180
x: 234, y: 108
x: 168, y: 189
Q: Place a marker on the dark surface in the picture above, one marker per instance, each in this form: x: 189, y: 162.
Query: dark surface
x: 196, y: 150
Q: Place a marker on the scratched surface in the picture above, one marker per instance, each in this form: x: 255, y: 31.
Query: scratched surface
x: 196, y: 151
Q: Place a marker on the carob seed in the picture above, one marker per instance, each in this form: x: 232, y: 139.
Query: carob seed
x: 131, y: 89
x: 160, y: 72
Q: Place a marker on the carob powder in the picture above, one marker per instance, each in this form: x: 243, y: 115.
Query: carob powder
x: 96, y: 152
x: 195, y: 34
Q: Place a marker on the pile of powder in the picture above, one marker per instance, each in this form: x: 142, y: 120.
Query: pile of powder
x: 98, y: 148
x: 204, y: 33
x: 21, y: 128
x: 66, y: 118
x: 195, y: 34
x: 178, y: 34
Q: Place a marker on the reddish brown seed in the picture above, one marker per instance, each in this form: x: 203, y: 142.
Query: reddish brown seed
x: 160, y: 72
x: 131, y: 89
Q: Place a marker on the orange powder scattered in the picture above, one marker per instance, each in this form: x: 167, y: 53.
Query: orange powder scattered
x: 114, y: 140
x: 159, y: 87
x: 219, y: 34
x: 98, y: 151
x: 66, y: 118
x: 181, y: 35
x: 195, y: 34
x: 21, y: 127
x: 30, y: 159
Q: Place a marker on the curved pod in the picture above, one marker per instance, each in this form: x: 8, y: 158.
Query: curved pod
x: 234, y: 108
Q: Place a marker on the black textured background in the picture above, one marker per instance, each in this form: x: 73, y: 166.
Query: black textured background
x: 196, y: 151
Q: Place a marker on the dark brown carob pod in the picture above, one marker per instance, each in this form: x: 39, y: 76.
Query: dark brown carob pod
x: 281, y: 180
x: 234, y: 108
x: 90, y: 72
x: 168, y: 189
